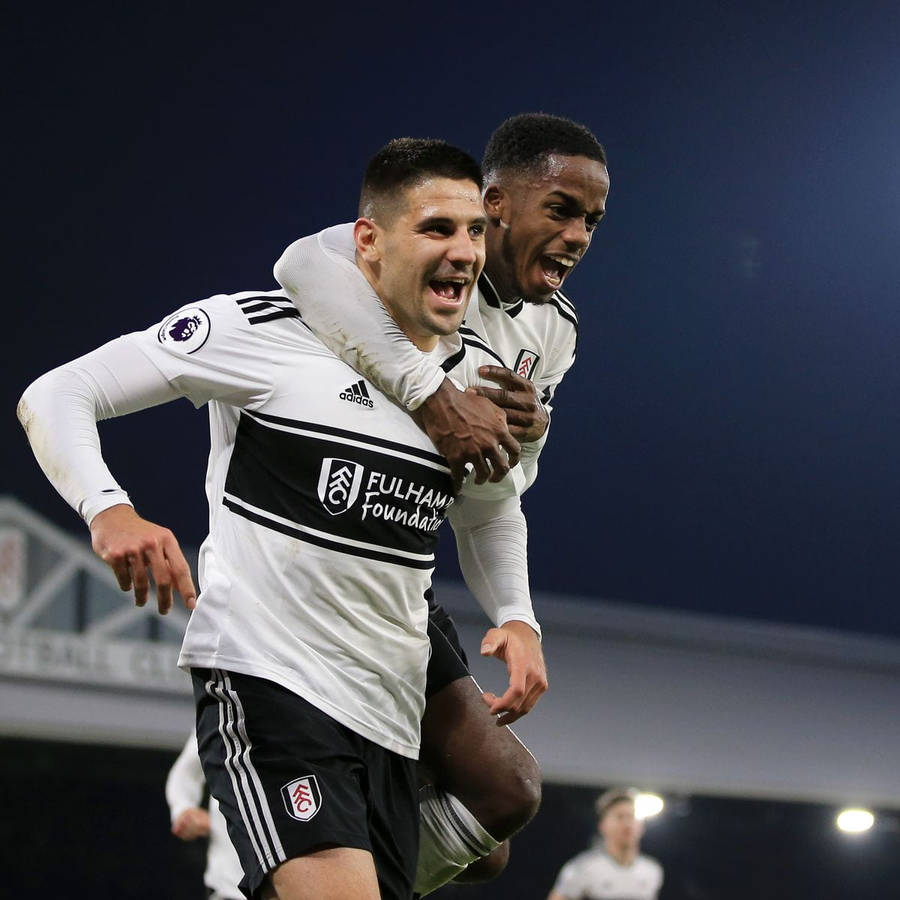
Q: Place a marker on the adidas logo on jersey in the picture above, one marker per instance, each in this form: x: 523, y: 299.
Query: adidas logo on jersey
x: 357, y: 393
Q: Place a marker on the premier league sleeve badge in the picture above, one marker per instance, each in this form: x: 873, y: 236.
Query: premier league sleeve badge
x: 187, y: 329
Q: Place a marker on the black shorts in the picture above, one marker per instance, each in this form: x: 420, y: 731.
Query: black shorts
x: 448, y: 660
x: 290, y: 779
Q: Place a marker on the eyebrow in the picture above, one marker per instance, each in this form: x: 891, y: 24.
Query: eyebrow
x: 596, y: 215
x: 446, y: 220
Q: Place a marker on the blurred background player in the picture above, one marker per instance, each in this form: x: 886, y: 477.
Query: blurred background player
x: 185, y: 791
x: 614, y: 868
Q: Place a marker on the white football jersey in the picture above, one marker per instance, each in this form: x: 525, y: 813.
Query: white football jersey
x: 536, y: 340
x: 325, y: 500
x: 595, y: 875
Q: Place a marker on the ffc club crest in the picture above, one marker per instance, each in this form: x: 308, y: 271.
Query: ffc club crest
x: 525, y: 363
x: 339, y: 483
x: 302, y: 798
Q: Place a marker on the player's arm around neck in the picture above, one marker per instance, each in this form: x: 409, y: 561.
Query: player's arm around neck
x: 518, y: 398
x: 320, y: 275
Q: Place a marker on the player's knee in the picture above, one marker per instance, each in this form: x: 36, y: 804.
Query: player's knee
x: 487, y: 868
x: 528, y: 791
x: 515, y: 799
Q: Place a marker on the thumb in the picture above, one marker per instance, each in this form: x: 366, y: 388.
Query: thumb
x: 492, y: 642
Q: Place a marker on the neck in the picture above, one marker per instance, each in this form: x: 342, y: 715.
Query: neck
x: 624, y: 856
x: 505, y: 291
x: 498, y: 265
x: 425, y: 342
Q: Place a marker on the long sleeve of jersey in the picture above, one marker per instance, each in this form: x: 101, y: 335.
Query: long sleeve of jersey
x: 60, y: 411
x: 492, y: 545
x: 185, y: 783
x: 320, y: 275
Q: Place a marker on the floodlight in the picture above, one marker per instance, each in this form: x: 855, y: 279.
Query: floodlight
x: 854, y: 821
x: 647, y: 805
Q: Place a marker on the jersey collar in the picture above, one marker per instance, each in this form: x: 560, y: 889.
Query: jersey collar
x: 492, y: 297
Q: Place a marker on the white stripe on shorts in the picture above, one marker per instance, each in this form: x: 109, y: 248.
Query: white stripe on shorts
x: 245, y: 780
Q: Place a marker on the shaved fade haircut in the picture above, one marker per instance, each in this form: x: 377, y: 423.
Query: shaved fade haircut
x: 404, y: 162
x: 523, y: 143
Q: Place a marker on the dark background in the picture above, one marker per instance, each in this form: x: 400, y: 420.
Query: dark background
x: 728, y: 439
x: 711, y: 848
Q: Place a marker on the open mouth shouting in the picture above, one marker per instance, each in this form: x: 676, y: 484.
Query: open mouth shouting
x: 450, y: 290
x: 555, y: 267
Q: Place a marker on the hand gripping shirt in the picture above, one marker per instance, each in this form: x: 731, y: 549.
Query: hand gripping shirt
x: 536, y: 340
x: 325, y: 499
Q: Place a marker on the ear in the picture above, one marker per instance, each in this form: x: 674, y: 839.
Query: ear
x: 496, y: 204
x: 366, y: 236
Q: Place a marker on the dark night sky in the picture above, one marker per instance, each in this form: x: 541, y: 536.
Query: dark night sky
x: 728, y: 439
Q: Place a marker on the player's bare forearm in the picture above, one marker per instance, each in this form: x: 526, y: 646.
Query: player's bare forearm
x: 468, y: 429
x: 133, y: 547
x: 518, y: 398
x: 517, y: 644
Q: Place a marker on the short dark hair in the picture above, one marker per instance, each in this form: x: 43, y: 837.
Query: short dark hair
x: 523, y: 143
x: 406, y: 161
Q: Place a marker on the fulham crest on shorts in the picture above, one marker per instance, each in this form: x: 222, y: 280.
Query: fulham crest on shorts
x: 302, y: 798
